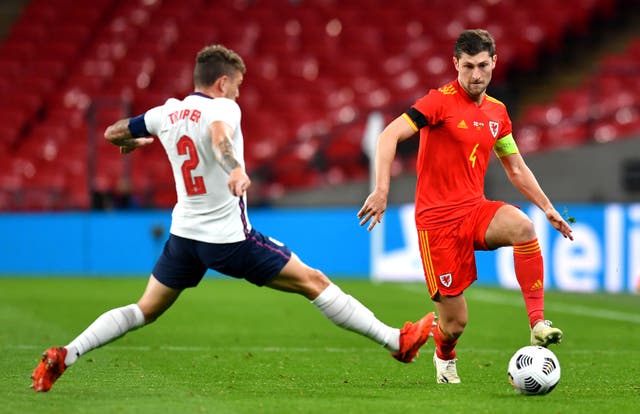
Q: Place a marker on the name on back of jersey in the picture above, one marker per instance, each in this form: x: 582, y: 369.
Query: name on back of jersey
x: 191, y: 114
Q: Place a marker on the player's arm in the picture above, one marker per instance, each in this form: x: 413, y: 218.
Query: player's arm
x: 375, y: 205
x: 222, y: 147
x: 128, y: 134
x: 523, y: 179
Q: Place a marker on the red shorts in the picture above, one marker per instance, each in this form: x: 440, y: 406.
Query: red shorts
x: 447, y: 252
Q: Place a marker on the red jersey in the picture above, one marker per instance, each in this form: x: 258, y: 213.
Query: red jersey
x: 456, y: 139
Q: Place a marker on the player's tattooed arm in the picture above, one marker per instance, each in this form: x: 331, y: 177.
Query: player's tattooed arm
x: 224, y: 154
x: 222, y: 146
x: 119, y: 133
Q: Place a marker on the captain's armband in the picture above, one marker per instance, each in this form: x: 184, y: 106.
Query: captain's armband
x: 137, y: 127
x: 505, y: 146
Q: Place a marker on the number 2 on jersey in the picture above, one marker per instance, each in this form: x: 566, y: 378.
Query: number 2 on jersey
x: 193, y: 184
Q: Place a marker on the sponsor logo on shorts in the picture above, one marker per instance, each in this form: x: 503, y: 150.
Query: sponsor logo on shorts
x: 445, y: 279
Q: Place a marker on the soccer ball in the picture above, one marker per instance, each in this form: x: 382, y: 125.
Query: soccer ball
x: 534, y: 370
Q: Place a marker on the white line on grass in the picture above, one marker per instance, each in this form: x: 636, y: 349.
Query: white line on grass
x: 238, y: 349
x: 493, y: 297
x: 275, y: 349
x: 503, y: 299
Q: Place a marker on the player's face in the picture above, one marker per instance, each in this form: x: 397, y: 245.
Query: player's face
x: 231, y: 85
x: 474, y: 72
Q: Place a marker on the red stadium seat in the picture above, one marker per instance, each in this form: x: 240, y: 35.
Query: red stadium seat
x: 336, y: 64
x: 9, y: 135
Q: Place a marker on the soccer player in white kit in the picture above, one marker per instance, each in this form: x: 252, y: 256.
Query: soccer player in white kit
x: 210, y: 228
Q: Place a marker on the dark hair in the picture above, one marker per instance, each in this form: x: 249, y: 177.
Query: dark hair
x: 215, y: 61
x: 473, y: 42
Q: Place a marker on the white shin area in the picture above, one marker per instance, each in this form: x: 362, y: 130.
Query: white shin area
x: 347, y: 312
x: 109, y: 326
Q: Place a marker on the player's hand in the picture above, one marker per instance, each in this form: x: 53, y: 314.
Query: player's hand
x: 238, y: 182
x: 373, y: 209
x: 128, y: 145
x: 559, y: 223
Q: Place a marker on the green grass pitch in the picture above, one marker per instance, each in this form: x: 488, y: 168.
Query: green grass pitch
x: 230, y: 347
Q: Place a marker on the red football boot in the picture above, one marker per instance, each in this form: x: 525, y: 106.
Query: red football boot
x: 413, y: 336
x: 49, y: 369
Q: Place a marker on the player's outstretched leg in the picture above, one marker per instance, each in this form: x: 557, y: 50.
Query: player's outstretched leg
x: 446, y: 370
x: 49, y: 369
x: 543, y: 334
x: 108, y: 327
x: 413, y: 336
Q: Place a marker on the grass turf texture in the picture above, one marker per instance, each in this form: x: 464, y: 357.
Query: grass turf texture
x: 229, y: 347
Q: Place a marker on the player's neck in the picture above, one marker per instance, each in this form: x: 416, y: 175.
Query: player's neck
x: 210, y: 92
x: 477, y: 99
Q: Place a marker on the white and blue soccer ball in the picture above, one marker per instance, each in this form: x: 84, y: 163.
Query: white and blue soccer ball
x: 534, y: 370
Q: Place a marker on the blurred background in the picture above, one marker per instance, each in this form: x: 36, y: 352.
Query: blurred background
x: 568, y: 72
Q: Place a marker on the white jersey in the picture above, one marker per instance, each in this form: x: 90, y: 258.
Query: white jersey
x: 206, y: 210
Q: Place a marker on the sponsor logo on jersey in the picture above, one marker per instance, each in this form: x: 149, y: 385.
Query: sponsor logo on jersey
x: 446, y: 279
x: 462, y: 125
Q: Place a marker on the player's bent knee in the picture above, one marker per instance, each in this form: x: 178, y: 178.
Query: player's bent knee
x: 315, y: 282
x: 525, y: 231
x: 319, y: 278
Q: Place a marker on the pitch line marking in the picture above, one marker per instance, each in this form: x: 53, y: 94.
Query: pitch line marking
x: 274, y: 349
x: 578, y: 310
x: 501, y: 299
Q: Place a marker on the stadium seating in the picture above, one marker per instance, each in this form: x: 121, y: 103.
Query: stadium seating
x: 603, y: 108
x: 315, y: 69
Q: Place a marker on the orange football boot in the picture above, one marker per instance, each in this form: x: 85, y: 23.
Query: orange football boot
x: 413, y: 336
x: 49, y: 369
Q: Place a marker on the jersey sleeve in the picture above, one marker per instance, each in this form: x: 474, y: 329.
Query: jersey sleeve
x: 506, y: 127
x: 428, y: 110
x: 505, y: 144
x: 153, y: 120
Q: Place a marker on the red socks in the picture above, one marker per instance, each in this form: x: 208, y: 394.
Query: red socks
x: 527, y: 260
x: 445, y: 347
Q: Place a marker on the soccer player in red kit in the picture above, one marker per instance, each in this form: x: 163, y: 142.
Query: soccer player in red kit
x: 459, y: 125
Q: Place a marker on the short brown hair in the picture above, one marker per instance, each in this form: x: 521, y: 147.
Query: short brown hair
x: 215, y: 61
x: 473, y: 42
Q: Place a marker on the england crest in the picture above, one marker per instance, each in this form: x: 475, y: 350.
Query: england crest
x: 493, y: 126
x: 446, y: 279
